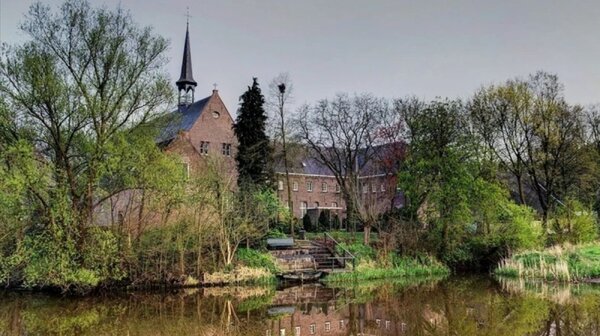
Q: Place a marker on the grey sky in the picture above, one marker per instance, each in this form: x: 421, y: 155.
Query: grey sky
x: 389, y: 48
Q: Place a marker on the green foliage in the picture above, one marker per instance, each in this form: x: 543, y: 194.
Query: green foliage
x: 573, y: 223
x: 359, y: 250
x: 256, y: 259
x: 559, y: 263
x: 254, y: 150
x: 400, y: 267
x: 454, y: 193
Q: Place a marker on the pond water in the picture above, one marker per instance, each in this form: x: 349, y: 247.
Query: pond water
x: 453, y: 306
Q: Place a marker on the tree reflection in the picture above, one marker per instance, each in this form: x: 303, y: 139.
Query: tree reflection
x: 460, y: 306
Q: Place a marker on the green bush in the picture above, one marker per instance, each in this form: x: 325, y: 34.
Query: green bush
x: 359, y: 250
x: 256, y: 259
x: 573, y: 223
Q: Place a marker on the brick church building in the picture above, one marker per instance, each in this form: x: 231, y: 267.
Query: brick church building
x: 204, y: 127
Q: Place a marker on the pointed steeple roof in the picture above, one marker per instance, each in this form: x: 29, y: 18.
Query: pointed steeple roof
x: 186, y: 77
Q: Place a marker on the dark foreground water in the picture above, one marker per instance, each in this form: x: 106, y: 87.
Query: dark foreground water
x: 455, y: 306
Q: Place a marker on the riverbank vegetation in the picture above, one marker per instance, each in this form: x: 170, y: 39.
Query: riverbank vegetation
x: 563, y: 263
x: 89, y: 198
x: 371, y: 265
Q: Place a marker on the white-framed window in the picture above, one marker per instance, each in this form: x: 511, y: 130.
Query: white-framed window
x: 337, y: 188
x: 341, y: 324
x: 295, y: 186
x: 309, y: 186
x: 226, y: 149
x: 313, y: 329
x: 204, y: 147
x: 268, y: 333
x: 297, y: 331
x: 382, y: 187
x: 280, y: 185
x: 334, y: 204
x: 387, y: 324
x: 378, y: 322
x: 327, y: 326
x: 373, y: 188
x: 324, y: 187
x: 365, y: 188
x: 316, y: 204
x: 281, y: 332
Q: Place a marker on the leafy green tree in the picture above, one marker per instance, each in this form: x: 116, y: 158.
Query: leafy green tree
x: 535, y: 135
x: 453, y: 191
x: 81, y: 86
x: 254, y: 149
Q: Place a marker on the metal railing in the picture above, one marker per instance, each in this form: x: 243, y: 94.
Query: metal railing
x: 346, y: 255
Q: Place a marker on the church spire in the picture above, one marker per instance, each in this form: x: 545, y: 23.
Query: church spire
x: 186, y: 83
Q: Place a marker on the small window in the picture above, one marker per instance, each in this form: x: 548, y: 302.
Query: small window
x: 313, y: 329
x: 373, y: 188
x: 268, y: 333
x: 341, y: 324
x: 334, y: 204
x: 281, y: 332
x: 280, y: 185
x: 365, y: 188
x: 382, y: 187
x: 378, y: 322
x: 324, y: 187
x: 216, y: 114
x: 337, y: 188
x: 327, y: 326
x: 204, y: 147
x: 226, y: 149
x: 309, y: 186
x: 316, y: 204
x: 387, y: 324
x: 295, y: 186
x: 297, y: 331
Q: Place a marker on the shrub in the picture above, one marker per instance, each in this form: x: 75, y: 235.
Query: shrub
x: 573, y: 223
x: 256, y: 259
x: 361, y: 251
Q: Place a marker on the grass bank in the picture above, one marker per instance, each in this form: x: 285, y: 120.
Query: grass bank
x: 394, y: 267
x: 564, y: 263
x: 252, y: 267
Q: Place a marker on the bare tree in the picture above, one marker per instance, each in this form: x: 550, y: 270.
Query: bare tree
x: 344, y: 135
x: 280, y: 93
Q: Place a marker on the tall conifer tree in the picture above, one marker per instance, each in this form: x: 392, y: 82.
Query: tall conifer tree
x: 254, y: 151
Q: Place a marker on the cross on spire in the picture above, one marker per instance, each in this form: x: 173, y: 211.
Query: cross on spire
x: 215, y: 85
x: 187, y: 15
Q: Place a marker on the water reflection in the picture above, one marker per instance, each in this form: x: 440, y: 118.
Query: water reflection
x: 456, y: 306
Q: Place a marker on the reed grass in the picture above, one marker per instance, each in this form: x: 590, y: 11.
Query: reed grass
x: 565, y: 263
x: 404, y: 268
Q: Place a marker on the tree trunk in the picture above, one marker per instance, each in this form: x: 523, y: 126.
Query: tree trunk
x: 520, y: 188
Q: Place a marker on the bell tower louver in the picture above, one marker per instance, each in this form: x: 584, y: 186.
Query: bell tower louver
x: 186, y: 83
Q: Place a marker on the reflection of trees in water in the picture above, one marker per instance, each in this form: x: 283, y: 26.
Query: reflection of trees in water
x: 126, y: 315
x: 466, y: 306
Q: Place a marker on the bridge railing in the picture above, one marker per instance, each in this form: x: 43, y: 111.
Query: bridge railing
x: 345, y: 254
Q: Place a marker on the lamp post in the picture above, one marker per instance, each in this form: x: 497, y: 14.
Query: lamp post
x: 281, y: 97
